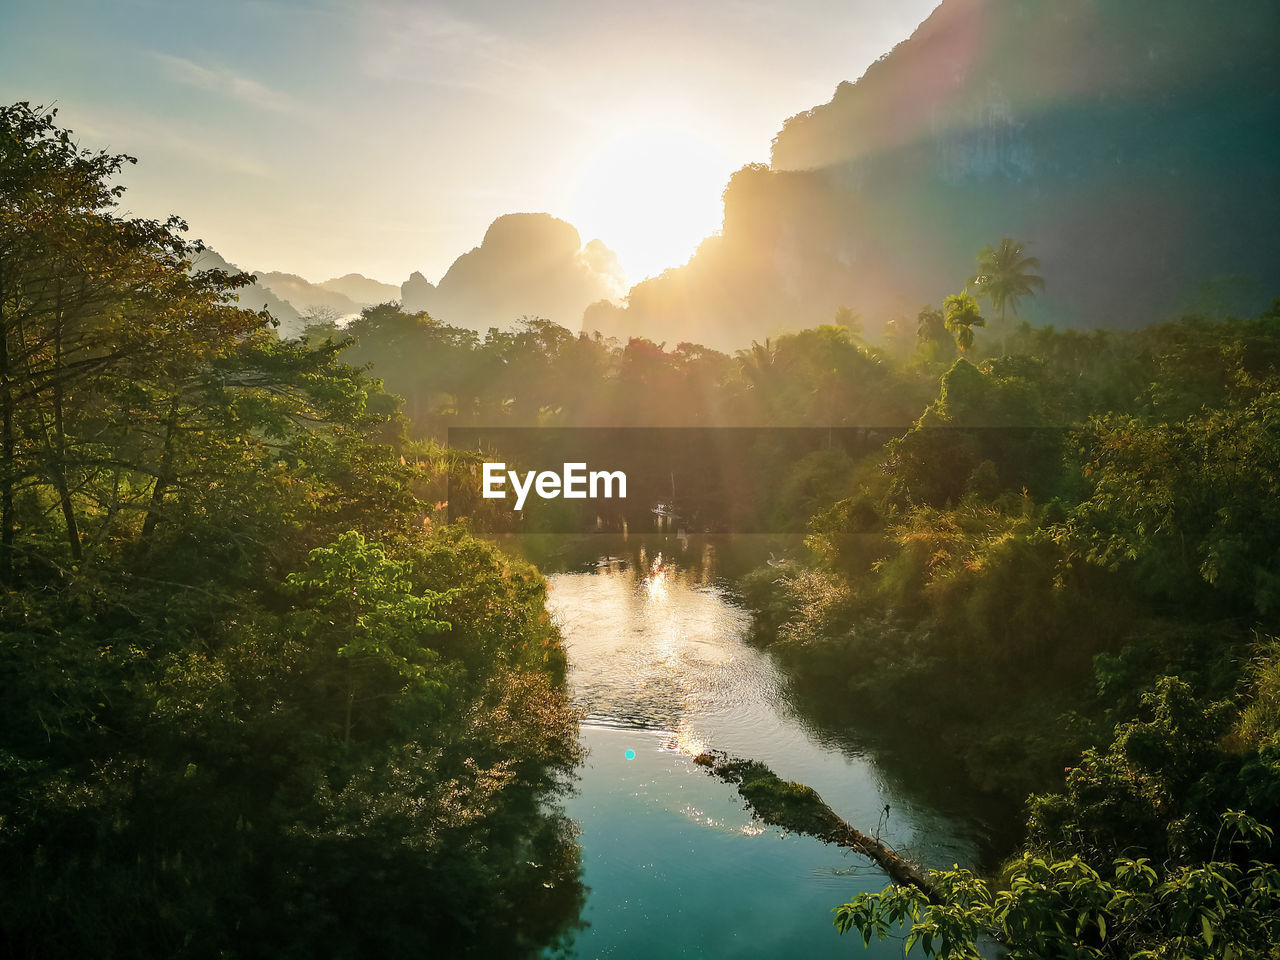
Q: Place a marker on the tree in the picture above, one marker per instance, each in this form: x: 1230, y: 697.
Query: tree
x: 962, y: 315
x: 933, y: 344
x: 230, y: 715
x: 100, y: 318
x: 757, y: 364
x: 1004, y: 275
x: 1066, y: 907
x: 930, y: 325
x: 358, y: 608
x: 850, y: 319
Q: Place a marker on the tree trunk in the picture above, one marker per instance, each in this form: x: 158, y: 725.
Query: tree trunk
x: 164, y: 475
x: 8, y: 469
x: 56, y: 447
x: 351, y: 700
x: 59, y: 465
x: 774, y: 801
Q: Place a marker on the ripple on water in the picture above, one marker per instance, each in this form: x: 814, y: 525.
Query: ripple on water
x: 660, y: 664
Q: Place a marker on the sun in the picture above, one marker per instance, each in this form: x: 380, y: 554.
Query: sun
x: 652, y: 193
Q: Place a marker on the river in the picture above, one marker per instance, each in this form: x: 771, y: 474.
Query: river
x: 661, y: 664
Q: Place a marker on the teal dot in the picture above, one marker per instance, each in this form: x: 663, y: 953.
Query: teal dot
x: 630, y: 754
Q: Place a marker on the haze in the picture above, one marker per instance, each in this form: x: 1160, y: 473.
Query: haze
x: 383, y: 137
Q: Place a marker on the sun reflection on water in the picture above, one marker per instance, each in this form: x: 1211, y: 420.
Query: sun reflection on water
x: 653, y: 643
x: 658, y: 581
x: 685, y: 741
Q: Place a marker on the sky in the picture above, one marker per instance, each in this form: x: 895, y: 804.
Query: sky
x: 328, y: 137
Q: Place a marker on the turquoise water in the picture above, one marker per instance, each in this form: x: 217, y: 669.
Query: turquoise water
x: 675, y: 865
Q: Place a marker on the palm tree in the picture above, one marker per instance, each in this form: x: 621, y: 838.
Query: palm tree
x: 758, y: 364
x: 930, y: 325
x: 962, y: 316
x: 1004, y: 275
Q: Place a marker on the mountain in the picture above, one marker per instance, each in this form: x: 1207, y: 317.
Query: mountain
x: 1132, y: 143
x: 340, y: 297
x: 360, y: 289
x: 527, y: 264
x: 307, y: 296
x: 257, y: 296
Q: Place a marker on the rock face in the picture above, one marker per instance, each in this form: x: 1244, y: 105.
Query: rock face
x: 416, y: 293
x: 1133, y: 144
x: 529, y: 264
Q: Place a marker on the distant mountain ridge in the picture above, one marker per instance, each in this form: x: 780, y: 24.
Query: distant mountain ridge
x: 257, y: 296
x: 307, y: 296
x: 360, y: 289
x: 1133, y: 144
x: 528, y: 264
x: 289, y: 298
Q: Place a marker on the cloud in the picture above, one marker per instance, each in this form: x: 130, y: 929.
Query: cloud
x: 149, y: 137
x: 429, y: 44
x: 227, y: 83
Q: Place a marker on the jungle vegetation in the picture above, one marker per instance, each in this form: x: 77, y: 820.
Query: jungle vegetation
x: 1065, y: 562
x: 250, y: 705
x: 257, y: 692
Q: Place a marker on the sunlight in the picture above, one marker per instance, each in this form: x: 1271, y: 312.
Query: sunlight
x: 655, y: 584
x: 688, y: 742
x: 652, y: 194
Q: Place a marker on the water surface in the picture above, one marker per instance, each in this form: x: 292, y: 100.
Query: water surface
x: 661, y: 664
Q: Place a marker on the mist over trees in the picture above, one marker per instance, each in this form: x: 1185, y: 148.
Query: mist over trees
x: 1142, y: 183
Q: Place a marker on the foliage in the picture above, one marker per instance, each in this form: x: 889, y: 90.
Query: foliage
x: 256, y: 703
x: 1188, y: 504
x: 961, y: 316
x: 361, y: 617
x: 1129, y: 908
x: 1259, y: 724
x: 1074, y: 536
x: 259, y: 692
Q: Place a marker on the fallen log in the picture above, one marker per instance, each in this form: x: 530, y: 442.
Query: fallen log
x: 799, y: 809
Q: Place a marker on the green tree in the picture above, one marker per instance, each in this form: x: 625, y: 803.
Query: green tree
x: 1225, y: 909
x: 231, y: 712
x: 360, y: 614
x: 851, y: 320
x: 961, y: 315
x: 1004, y: 275
x: 85, y: 299
x: 930, y: 325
